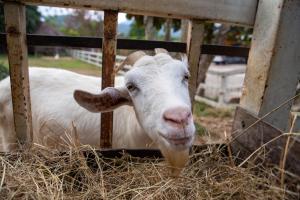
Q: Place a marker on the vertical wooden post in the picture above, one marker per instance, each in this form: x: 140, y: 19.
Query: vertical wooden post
x: 15, y: 25
x: 194, y: 42
x: 222, y: 92
x: 273, y: 69
x: 108, y: 62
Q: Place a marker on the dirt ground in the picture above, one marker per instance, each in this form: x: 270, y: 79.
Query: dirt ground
x: 213, y: 125
x: 216, y: 130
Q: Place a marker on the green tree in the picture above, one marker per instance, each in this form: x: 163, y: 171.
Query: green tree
x: 136, y: 31
x: 81, y: 23
x: 33, y: 19
x: 151, y: 25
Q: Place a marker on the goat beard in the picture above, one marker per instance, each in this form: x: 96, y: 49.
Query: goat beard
x: 176, y: 160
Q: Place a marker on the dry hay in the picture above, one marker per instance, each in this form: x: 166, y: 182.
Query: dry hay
x: 43, y: 174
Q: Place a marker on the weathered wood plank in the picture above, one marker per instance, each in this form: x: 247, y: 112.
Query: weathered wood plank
x: 232, y: 11
x: 108, y: 78
x: 15, y: 25
x: 250, y: 133
x: 194, y: 42
x: 273, y: 66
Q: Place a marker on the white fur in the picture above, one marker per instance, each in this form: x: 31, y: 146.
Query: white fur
x: 161, y: 86
x: 54, y: 110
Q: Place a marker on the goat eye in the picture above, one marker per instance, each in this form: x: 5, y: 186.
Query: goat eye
x: 186, y: 77
x: 131, y: 87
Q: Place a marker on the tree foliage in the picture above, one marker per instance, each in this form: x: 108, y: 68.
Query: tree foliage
x: 33, y: 19
x: 79, y: 23
x: 136, y: 31
x: 234, y: 35
x: 158, y: 22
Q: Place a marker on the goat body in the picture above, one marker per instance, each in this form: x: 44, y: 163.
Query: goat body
x: 54, y: 110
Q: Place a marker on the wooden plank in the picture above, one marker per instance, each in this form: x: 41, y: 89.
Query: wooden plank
x: 15, y: 25
x: 232, y: 11
x: 108, y: 62
x: 93, y: 42
x: 194, y: 42
x: 248, y: 137
x: 273, y: 66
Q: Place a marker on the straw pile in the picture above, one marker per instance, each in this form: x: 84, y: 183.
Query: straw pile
x: 44, y: 174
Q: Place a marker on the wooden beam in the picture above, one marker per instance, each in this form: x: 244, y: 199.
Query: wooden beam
x: 231, y: 11
x: 15, y: 25
x: 273, y: 68
x: 108, y: 78
x: 93, y: 42
x: 194, y: 42
x: 250, y: 133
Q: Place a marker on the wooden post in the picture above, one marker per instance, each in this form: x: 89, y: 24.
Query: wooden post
x: 222, y: 92
x: 15, y: 25
x: 194, y: 42
x: 273, y: 67
x: 108, y: 62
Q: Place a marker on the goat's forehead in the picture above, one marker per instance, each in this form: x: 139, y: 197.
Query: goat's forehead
x: 151, y: 66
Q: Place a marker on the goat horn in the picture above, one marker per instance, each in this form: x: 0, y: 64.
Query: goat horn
x: 130, y: 60
x: 160, y: 50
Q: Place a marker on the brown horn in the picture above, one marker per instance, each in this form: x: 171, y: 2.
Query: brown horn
x: 130, y: 60
x: 160, y: 50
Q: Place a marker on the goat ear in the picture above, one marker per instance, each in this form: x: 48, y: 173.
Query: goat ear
x: 160, y: 50
x: 109, y: 99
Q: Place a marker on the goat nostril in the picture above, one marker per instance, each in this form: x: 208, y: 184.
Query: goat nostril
x: 173, y: 120
x: 189, y: 115
x: 178, y: 116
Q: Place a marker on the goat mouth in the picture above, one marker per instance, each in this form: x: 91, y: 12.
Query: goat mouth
x: 177, y: 140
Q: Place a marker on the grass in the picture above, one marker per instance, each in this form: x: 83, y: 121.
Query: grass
x: 204, y: 110
x: 67, y: 63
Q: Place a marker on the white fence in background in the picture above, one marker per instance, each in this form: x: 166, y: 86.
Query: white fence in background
x: 222, y: 85
x: 94, y: 58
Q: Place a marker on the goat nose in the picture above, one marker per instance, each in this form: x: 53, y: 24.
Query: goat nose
x: 177, y: 116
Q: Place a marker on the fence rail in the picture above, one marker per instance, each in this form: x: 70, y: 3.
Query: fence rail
x: 94, y: 58
x: 129, y: 44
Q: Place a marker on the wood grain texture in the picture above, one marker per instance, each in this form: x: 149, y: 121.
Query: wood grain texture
x: 194, y: 42
x: 18, y: 65
x: 231, y: 11
x: 273, y: 68
x: 109, y: 46
x: 249, y: 137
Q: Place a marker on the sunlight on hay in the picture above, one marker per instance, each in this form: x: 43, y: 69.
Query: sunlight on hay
x: 41, y: 174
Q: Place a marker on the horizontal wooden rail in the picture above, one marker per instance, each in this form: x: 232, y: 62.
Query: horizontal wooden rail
x: 96, y: 42
x: 231, y: 11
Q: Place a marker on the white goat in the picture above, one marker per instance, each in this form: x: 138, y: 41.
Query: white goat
x: 151, y: 107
